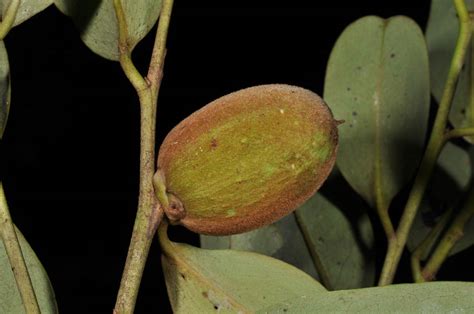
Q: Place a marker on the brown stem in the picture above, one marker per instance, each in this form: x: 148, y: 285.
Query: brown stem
x: 449, y: 239
x: 149, y: 212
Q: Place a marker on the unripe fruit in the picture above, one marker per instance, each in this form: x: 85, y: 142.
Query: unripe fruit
x: 246, y: 159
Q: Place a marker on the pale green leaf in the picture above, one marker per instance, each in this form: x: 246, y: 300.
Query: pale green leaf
x: 345, y: 245
x: 450, y: 180
x: 441, y: 35
x: 9, y: 295
x: 5, y: 88
x: 229, y: 281
x: 377, y: 80
x: 349, y: 264
x: 98, y: 26
x: 432, y: 297
x: 27, y: 9
x: 282, y: 240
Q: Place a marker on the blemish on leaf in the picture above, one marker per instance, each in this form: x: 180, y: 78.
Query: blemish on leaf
x: 392, y: 55
x: 204, y: 294
x: 354, y: 113
x: 463, y: 111
x: 348, y: 89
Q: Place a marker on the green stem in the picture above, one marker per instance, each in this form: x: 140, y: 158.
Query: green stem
x: 426, y: 244
x: 318, y: 264
x: 450, y: 238
x: 9, y: 18
x: 149, y: 212
x: 15, y: 256
x: 435, y: 144
x: 458, y: 132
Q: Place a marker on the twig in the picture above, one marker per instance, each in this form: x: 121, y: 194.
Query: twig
x: 426, y: 244
x: 449, y: 239
x: 435, y: 144
x: 149, y: 212
x: 458, y: 132
x: 15, y: 256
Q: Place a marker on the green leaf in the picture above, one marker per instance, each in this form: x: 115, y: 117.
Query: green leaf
x: 27, y: 9
x: 344, y: 245
x: 441, y: 35
x: 201, y: 281
x: 98, y: 26
x: 450, y: 180
x: 282, y: 240
x: 5, y: 88
x: 377, y: 80
x: 432, y: 297
x: 342, y: 239
x: 11, y: 300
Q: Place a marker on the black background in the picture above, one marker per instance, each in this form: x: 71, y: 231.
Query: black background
x: 71, y: 148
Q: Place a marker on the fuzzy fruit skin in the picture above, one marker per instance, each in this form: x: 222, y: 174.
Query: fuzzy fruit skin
x: 249, y: 158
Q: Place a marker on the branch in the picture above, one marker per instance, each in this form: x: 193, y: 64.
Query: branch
x: 458, y: 132
x: 450, y: 238
x: 435, y: 144
x: 425, y: 245
x: 150, y: 212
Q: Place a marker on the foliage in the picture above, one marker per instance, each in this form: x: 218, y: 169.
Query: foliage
x: 378, y: 82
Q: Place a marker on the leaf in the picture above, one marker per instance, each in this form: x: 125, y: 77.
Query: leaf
x: 377, y: 80
x: 5, y: 88
x: 450, y: 180
x: 11, y: 300
x: 27, y: 9
x: 98, y: 26
x: 344, y: 246
x: 441, y: 35
x: 201, y: 281
x: 343, y: 241
x: 432, y: 297
x: 282, y: 240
